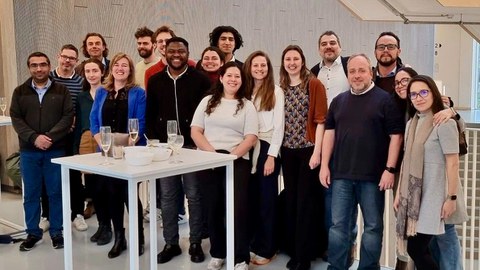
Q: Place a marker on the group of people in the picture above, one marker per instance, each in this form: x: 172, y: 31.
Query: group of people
x: 338, y: 132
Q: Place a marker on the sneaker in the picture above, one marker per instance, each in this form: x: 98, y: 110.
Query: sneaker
x: 259, y: 260
x: 30, y: 242
x: 79, y: 223
x: 241, y: 266
x: 57, y: 242
x: 215, y: 264
x: 182, y: 219
x: 146, y: 216
x: 44, y: 224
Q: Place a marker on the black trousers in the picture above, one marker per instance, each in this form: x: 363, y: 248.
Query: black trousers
x: 213, y: 188
x: 417, y: 248
x: 304, y: 221
x: 99, y: 190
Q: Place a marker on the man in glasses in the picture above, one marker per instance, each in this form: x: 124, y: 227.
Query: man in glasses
x: 42, y: 115
x: 387, y: 52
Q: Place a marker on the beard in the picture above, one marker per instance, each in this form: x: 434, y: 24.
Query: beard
x: 386, y: 63
x: 144, y: 53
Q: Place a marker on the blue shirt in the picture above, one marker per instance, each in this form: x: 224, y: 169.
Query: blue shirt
x: 41, y: 90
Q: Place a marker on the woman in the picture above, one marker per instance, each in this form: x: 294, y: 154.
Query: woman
x: 85, y: 144
x: 429, y: 175
x: 226, y: 122
x: 269, y: 103
x: 210, y: 63
x: 305, y: 112
x: 447, y: 257
x: 116, y: 102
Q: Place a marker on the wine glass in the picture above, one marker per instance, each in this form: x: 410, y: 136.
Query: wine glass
x: 3, y: 105
x: 133, y: 129
x: 106, y: 141
x: 176, y: 145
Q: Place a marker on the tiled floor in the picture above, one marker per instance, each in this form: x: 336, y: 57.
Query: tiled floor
x: 87, y: 255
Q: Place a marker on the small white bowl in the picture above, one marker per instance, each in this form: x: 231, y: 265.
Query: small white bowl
x: 134, y: 149
x: 160, y: 153
x: 139, y: 158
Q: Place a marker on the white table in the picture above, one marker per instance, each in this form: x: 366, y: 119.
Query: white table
x: 193, y: 160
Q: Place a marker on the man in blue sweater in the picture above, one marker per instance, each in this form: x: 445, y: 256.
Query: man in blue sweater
x: 363, y: 134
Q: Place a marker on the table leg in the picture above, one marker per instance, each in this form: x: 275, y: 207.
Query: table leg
x: 230, y: 216
x: 153, y: 224
x: 67, y: 222
x: 133, y: 224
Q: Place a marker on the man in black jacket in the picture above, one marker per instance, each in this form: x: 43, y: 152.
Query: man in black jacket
x: 42, y: 115
x: 174, y: 94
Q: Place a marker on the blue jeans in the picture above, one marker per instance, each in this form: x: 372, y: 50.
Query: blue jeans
x: 36, y: 167
x: 171, y: 190
x: 347, y: 195
x: 445, y: 249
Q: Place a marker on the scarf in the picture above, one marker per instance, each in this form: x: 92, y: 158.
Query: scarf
x: 411, y: 179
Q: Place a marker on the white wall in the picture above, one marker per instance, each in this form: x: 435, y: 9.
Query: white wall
x: 453, y: 63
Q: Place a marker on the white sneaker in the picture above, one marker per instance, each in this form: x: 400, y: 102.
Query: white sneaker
x: 79, y: 223
x: 215, y: 264
x: 146, y: 216
x: 44, y: 224
x: 182, y: 219
x: 241, y: 266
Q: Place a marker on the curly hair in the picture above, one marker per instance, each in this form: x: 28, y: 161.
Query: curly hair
x: 266, y: 92
x: 217, y: 32
x: 84, y: 44
x: 217, y: 91
x: 144, y: 32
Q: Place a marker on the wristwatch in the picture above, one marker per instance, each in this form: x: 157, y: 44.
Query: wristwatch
x: 452, y: 197
x: 390, y: 169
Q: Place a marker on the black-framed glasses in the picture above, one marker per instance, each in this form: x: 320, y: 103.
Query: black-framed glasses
x: 402, y: 82
x: 423, y: 93
x: 382, y: 47
x: 36, y: 65
x: 66, y: 57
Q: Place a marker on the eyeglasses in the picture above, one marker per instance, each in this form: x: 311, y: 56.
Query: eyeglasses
x: 65, y: 57
x: 382, y: 47
x: 42, y: 65
x: 402, y: 82
x: 423, y: 93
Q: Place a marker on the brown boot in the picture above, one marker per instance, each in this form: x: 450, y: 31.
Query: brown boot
x: 400, y: 265
x: 89, y: 210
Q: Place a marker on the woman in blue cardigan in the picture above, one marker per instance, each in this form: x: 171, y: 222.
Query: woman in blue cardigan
x: 117, y: 101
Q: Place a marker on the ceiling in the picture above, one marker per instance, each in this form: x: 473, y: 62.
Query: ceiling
x: 465, y: 13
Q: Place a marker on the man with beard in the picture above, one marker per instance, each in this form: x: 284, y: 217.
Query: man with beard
x: 145, y: 47
x: 363, y: 135
x: 387, y: 52
x: 160, y: 37
x: 174, y: 94
x: 42, y: 115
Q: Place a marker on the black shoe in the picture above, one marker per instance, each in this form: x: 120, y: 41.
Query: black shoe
x: 141, y: 243
x: 119, y: 246
x: 96, y: 235
x: 30, y: 242
x: 105, y: 236
x: 302, y: 266
x: 291, y: 264
x: 57, y: 241
x: 196, y: 253
x: 168, y: 252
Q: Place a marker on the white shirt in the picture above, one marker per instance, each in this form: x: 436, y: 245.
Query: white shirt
x: 333, y: 78
x: 273, y: 122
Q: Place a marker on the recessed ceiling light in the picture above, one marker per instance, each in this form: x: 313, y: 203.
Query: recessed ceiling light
x: 459, y: 3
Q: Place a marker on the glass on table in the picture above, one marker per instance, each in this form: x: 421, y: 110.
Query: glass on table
x: 106, y: 137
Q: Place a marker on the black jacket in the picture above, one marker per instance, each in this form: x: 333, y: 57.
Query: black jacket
x: 174, y: 100
x: 53, y: 117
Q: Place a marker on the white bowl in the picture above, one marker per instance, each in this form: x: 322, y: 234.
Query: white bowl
x: 139, y: 158
x: 134, y: 149
x: 160, y: 153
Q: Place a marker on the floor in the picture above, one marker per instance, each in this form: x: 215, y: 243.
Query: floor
x: 87, y: 255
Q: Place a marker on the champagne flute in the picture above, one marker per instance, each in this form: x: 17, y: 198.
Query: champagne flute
x: 106, y: 141
x: 3, y: 105
x: 171, y: 132
x: 133, y: 129
x: 177, y: 144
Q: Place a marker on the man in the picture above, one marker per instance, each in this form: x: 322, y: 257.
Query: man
x: 145, y: 47
x: 42, y: 115
x: 161, y: 36
x: 94, y: 46
x: 65, y: 74
x: 363, y: 134
x: 228, y: 40
x: 174, y: 94
x: 332, y: 72
x: 387, y: 52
